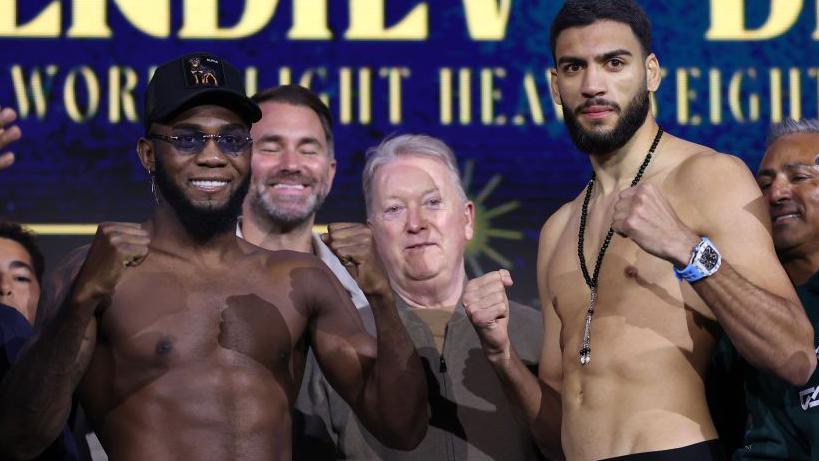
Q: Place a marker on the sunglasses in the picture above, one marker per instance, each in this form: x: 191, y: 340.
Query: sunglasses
x: 231, y: 144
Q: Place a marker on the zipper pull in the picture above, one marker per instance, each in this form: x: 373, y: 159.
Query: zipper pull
x: 442, y: 365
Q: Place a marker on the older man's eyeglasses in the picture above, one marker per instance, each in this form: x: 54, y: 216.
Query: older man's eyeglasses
x: 189, y: 143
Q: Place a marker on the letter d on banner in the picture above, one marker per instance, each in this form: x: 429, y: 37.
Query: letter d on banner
x: 201, y: 19
x: 728, y: 20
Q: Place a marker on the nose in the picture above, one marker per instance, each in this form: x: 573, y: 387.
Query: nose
x: 779, y: 190
x: 592, y: 84
x: 290, y: 160
x: 416, y: 221
x: 211, y: 155
x: 5, y: 285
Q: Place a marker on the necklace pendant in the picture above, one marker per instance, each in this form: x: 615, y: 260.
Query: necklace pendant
x: 585, y: 349
x: 585, y: 355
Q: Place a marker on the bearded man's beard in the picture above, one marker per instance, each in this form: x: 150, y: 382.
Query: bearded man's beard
x: 595, y: 142
x: 285, y: 215
x: 202, y: 223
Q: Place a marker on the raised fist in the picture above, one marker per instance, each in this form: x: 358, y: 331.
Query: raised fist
x: 116, y: 247
x: 487, y: 307
x: 354, y: 246
x: 643, y: 214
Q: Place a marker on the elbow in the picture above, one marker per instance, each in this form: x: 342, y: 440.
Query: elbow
x: 805, y: 364
x: 800, y: 365
x: 800, y: 371
x: 407, y: 437
x: 416, y: 433
x: 407, y: 433
x: 799, y: 360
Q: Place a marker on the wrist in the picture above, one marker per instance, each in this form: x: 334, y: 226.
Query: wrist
x: 86, y: 294
x: 682, y: 250
x: 705, y: 261
x: 499, y: 357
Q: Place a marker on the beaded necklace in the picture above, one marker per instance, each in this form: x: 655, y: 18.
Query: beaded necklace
x: 591, y: 281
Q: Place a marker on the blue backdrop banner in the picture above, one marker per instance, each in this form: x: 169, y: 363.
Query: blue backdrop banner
x: 473, y: 72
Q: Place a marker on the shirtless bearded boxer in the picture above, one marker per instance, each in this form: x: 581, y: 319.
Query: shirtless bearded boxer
x: 185, y: 342
x: 626, y: 341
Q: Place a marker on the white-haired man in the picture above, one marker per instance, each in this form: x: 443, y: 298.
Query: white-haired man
x: 421, y: 221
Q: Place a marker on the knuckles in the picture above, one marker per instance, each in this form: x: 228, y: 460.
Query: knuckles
x: 629, y: 223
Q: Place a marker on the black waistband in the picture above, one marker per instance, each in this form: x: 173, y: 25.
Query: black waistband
x: 710, y: 450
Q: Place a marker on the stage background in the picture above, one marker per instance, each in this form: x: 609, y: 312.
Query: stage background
x: 473, y: 72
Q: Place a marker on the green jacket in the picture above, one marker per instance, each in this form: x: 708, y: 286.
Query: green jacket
x: 783, y: 419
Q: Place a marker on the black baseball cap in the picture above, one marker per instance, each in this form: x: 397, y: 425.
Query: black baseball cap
x: 193, y: 80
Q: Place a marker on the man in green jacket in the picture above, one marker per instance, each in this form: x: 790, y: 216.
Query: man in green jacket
x: 783, y: 419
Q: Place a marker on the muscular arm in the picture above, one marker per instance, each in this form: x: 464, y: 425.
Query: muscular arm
x: 771, y: 331
x: 382, y: 380
x: 396, y: 389
x: 751, y: 296
x: 35, y: 395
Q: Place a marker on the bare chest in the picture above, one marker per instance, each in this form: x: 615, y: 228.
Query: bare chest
x: 169, y: 318
x: 640, y: 305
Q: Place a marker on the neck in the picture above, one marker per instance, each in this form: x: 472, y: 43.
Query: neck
x: 169, y: 234
x: 435, y: 293
x: 264, y: 232
x: 800, y: 268
x: 615, y: 170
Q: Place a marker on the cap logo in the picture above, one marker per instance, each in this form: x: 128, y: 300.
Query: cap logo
x: 203, y: 71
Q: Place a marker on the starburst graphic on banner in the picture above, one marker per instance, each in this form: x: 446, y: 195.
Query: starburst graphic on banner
x: 484, y: 229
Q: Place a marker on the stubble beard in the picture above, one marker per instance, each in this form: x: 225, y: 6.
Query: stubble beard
x: 285, y: 217
x: 202, y: 223
x: 793, y: 244
x: 603, y: 142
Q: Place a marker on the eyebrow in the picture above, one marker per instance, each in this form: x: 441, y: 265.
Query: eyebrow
x: 613, y: 54
x: 309, y: 140
x: 788, y: 166
x: 17, y: 264
x: 426, y: 192
x: 796, y: 165
x: 279, y: 138
x: 193, y: 126
x: 599, y: 58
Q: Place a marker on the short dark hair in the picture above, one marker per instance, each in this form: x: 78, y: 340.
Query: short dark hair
x: 579, y: 13
x: 16, y: 232
x: 297, y: 95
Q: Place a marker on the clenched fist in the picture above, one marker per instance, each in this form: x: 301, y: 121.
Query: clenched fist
x: 487, y: 307
x: 643, y: 214
x: 354, y: 246
x: 116, y: 247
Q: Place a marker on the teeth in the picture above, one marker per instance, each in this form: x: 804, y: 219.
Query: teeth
x: 786, y: 216
x: 208, y: 184
x: 289, y: 186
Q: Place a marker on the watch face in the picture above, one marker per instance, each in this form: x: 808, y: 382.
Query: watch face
x: 708, y: 258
